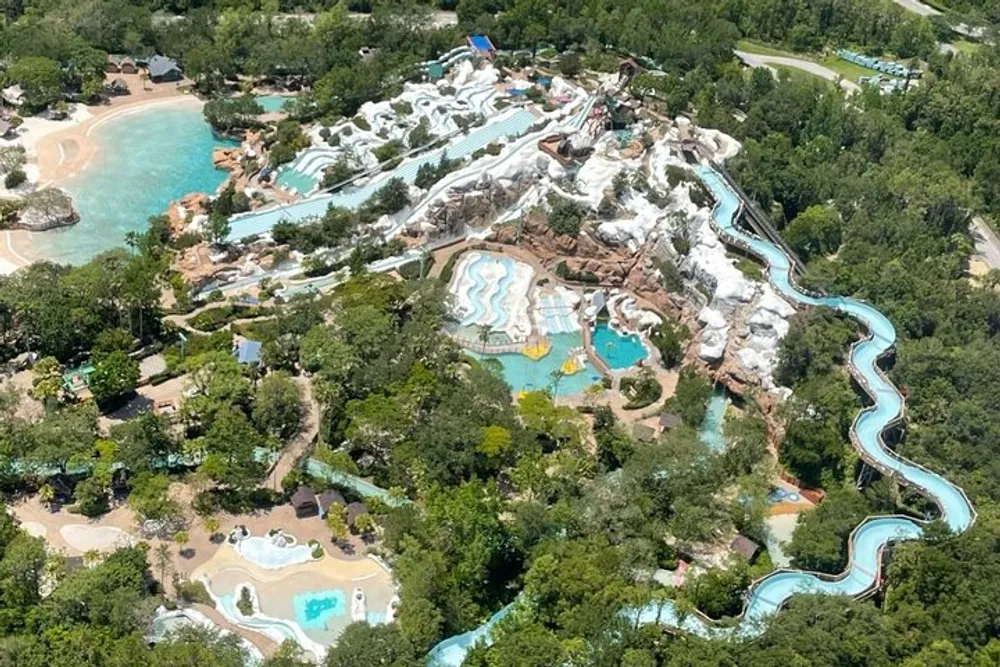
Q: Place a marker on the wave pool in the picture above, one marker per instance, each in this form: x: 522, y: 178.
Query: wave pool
x: 145, y: 159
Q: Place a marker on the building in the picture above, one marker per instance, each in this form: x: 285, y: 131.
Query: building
x: 304, y: 502
x: 643, y: 433
x: 328, y: 499
x: 162, y: 69
x: 13, y: 96
x: 745, y: 547
x: 120, y: 64
x: 5, y: 129
x: 248, y: 351
x: 118, y: 87
x: 669, y: 421
x: 354, y: 510
x: 481, y: 46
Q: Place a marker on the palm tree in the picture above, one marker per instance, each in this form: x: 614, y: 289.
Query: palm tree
x: 485, y: 330
x: 555, y: 377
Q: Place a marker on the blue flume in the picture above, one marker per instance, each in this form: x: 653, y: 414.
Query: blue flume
x: 867, y: 541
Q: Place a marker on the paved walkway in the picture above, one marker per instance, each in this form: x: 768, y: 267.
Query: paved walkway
x: 760, y: 60
x: 917, y: 7
x: 987, y: 242
x: 294, y: 450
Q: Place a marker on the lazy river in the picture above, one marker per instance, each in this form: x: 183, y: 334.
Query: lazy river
x: 768, y: 594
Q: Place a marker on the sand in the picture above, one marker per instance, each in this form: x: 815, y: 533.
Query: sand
x: 84, y: 538
x: 58, y: 150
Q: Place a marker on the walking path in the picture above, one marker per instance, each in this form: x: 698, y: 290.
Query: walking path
x: 760, y: 60
x: 294, y: 450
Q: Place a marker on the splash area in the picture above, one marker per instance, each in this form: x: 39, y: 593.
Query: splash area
x: 618, y: 350
x: 272, y: 103
x: 145, y: 159
x: 309, y: 603
x: 531, y: 331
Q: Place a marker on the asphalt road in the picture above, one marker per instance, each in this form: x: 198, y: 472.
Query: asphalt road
x: 758, y: 60
x: 917, y: 7
x: 987, y: 242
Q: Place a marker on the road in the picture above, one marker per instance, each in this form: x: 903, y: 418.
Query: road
x: 759, y: 60
x: 917, y: 7
x: 987, y: 242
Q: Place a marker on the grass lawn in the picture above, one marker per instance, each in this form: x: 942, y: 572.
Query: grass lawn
x: 849, y: 71
x: 796, y: 74
x: 966, y: 47
x: 764, y: 49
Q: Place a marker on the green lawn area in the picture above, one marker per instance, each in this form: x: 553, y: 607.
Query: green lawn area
x: 764, y: 49
x: 849, y: 71
x: 966, y: 47
x: 795, y: 74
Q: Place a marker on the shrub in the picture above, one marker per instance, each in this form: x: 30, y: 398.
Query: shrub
x: 324, y: 133
x: 493, y: 148
x: 641, y: 391
x: 194, y: 592
x: 449, y: 267
x: 245, y: 603
x: 14, y: 178
x: 669, y: 339
x: 566, y: 216
x: 390, y: 150
x: 361, y: 122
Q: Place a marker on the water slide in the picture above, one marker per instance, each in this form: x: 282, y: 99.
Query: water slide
x: 866, y: 543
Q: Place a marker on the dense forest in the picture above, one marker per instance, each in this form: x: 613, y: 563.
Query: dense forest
x: 877, y: 194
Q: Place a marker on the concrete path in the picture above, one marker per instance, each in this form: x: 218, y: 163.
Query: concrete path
x: 760, y: 60
x: 987, y: 242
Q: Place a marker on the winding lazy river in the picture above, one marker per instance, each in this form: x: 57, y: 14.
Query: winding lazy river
x: 867, y: 541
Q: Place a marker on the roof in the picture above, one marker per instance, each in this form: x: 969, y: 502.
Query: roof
x: 303, y: 497
x: 331, y: 497
x: 670, y: 420
x: 160, y: 65
x: 248, y: 351
x: 480, y: 43
x: 4, y: 127
x: 354, y: 510
x: 119, y: 83
x: 744, y: 546
x: 643, y: 432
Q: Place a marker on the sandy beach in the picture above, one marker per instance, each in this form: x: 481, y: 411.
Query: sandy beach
x: 58, y: 150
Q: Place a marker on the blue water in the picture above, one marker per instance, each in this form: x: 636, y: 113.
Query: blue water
x: 524, y: 374
x: 291, y: 179
x: 715, y: 413
x: 272, y: 103
x: 259, y: 222
x: 145, y: 160
x: 867, y: 541
x: 314, y: 609
x: 617, y: 350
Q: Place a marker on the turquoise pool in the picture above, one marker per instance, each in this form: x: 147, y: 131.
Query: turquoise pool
x: 272, y: 103
x: 291, y: 179
x: 523, y: 374
x: 145, y: 160
x: 618, y: 351
x: 314, y: 609
x: 711, y: 428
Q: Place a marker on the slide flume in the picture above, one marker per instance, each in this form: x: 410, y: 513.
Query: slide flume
x: 768, y: 594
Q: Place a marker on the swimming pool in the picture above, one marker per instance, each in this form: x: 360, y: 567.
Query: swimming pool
x: 315, y: 608
x: 524, y: 374
x: 145, y: 160
x: 272, y: 103
x: 617, y: 350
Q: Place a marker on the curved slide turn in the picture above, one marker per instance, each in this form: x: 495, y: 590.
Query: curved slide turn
x: 768, y: 594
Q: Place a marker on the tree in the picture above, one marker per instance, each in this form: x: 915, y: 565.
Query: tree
x: 228, y: 114
x: 690, y: 399
x: 181, y: 538
x: 485, y: 331
x: 114, y: 377
x: 363, y: 645
x: 365, y: 524
x: 40, y: 78
x: 145, y: 442
x: 278, y: 406
x: 218, y: 228
x: 814, y: 232
x: 150, y: 498
x: 231, y: 445
x: 669, y: 338
x: 163, y: 560
x: 336, y: 521
x: 46, y: 380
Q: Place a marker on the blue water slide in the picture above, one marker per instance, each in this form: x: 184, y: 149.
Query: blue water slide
x: 867, y: 542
